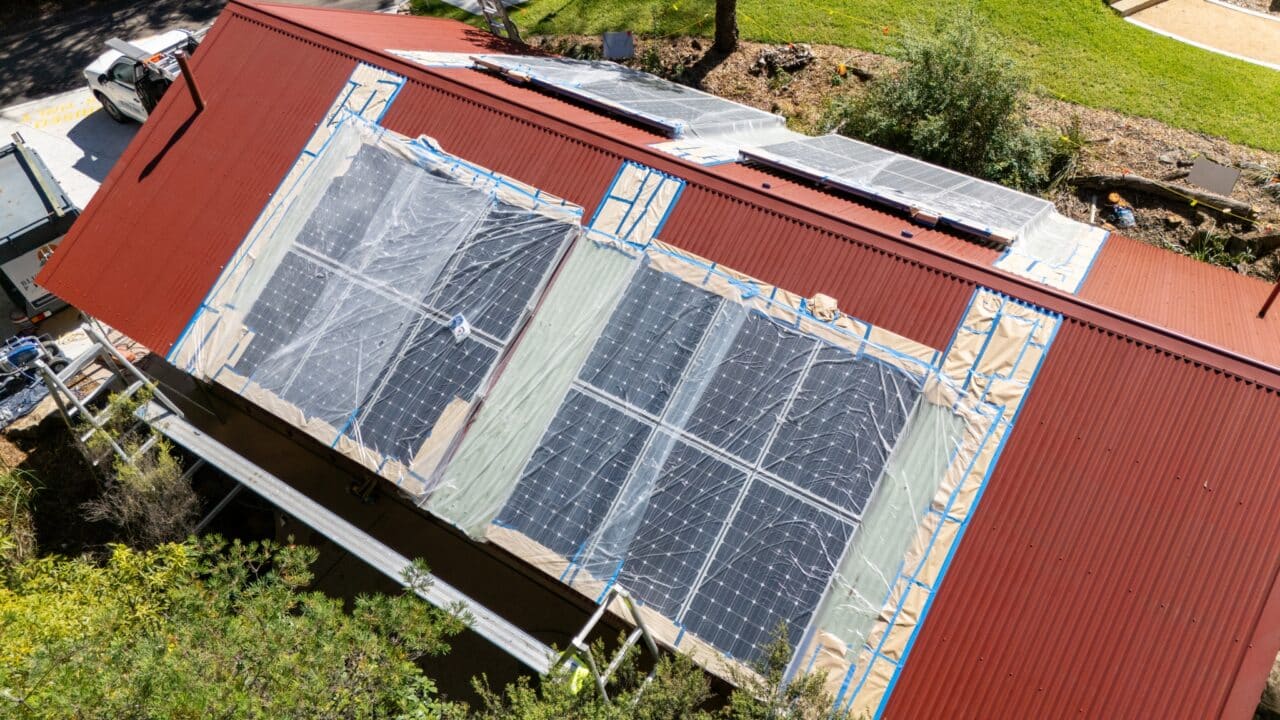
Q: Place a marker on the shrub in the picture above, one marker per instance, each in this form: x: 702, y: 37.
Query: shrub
x: 679, y: 691
x: 207, y: 629
x: 150, y: 500
x: 957, y: 102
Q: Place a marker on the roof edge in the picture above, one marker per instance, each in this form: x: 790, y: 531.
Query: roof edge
x: 1259, y: 657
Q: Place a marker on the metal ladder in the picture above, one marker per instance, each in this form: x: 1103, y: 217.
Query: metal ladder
x: 495, y: 12
x: 73, y: 406
x: 580, y: 653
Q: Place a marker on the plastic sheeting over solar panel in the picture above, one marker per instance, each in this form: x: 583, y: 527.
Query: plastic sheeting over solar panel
x: 380, y: 305
x: 691, y: 435
x: 675, y: 109
x: 913, y: 185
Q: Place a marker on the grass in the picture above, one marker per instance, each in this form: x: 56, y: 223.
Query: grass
x: 1074, y: 50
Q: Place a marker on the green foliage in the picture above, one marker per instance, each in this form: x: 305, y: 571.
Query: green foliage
x: 1218, y: 248
x: 149, y: 499
x: 209, y: 629
x: 1075, y: 50
x: 17, y: 529
x: 679, y: 691
x: 957, y: 102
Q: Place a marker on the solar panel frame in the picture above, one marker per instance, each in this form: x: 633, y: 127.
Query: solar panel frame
x: 985, y: 209
x: 666, y: 106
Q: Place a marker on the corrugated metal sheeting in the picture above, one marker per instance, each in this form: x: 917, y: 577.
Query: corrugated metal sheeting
x: 1124, y: 549
x: 1127, y: 546
x: 181, y: 199
x: 1186, y: 295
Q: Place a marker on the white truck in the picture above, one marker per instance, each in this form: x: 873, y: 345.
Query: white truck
x: 130, y: 78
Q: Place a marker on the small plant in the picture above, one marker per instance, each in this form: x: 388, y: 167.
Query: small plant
x: 147, y: 494
x: 651, y: 60
x: 957, y: 101
x: 17, y: 529
x: 1068, y: 150
x: 1218, y: 248
x: 779, y: 81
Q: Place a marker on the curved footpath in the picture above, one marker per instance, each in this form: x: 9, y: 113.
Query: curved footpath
x: 1250, y: 36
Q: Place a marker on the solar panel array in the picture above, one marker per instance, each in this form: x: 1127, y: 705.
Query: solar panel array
x: 713, y: 460
x: 676, y: 109
x: 354, y: 325
x: 963, y: 201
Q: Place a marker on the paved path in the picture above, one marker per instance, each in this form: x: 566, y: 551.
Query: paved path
x: 44, y: 57
x: 1216, y: 27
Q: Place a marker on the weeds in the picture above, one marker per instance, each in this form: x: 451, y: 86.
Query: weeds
x: 148, y: 497
x: 1218, y: 248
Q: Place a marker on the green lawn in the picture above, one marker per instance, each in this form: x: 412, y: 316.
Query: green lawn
x: 1077, y: 50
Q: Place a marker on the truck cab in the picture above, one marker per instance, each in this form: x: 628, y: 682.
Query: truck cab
x: 35, y: 214
x: 131, y: 77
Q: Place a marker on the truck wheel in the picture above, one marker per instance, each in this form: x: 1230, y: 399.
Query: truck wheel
x: 111, y: 108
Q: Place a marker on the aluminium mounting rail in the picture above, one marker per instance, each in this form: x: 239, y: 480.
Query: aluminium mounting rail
x: 489, y: 625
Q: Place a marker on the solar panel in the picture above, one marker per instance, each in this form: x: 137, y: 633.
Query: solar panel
x: 688, y: 505
x: 771, y: 568
x: 974, y: 205
x: 280, y: 310
x: 349, y: 204
x: 650, y: 339
x: 840, y: 427
x: 575, y: 474
x: 429, y: 372
x: 497, y: 273
x: 712, y: 459
x: 353, y: 326
x: 677, y: 110
x: 741, y: 404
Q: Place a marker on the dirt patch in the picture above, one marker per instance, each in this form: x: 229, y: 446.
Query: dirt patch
x: 1117, y: 143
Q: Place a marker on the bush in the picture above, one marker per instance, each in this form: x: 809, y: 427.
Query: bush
x: 956, y: 102
x: 207, y: 629
x: 149, y: 500
x: 679, y: 691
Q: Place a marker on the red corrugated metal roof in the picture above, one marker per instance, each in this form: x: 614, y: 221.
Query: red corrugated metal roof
x: 1122, y: 554
x: 1186, y: 295
x: 186, y: 191
x: 384, y: 31
x: 1125, y: 411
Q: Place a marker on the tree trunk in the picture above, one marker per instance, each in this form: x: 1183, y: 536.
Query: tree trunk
x: 1211, y: 201
x: 726, y: 26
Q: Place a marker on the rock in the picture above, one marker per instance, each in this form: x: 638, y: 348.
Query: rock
x: 1174, y: 221
x: 1185, y: 162
x: 789, y: 58
x: 1168, y: 159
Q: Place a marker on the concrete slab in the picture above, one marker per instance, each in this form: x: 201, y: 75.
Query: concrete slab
x: 1129, y: 7
x: 1223, y: 29
x: 75, y: 137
